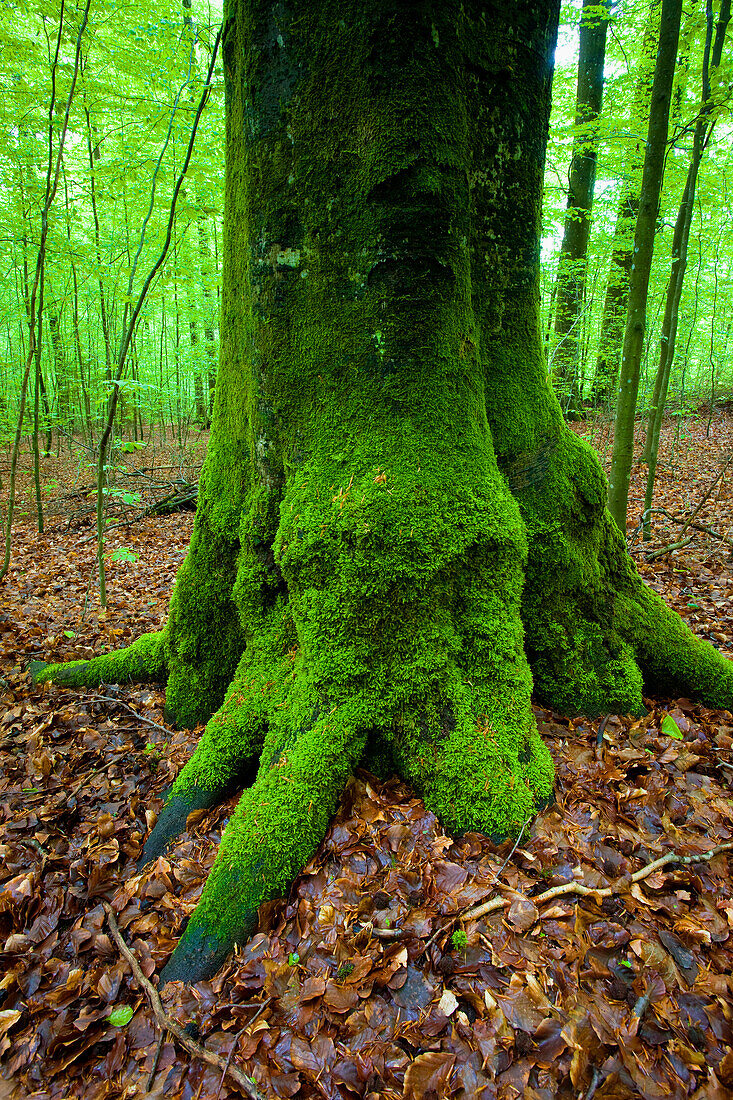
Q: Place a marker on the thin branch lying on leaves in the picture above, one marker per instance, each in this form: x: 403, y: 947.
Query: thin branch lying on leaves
x: 688, y: 522
x: 167, y: 1023
x: 689, y: 525
x: 127, y: 707
x: 594, y: 891
x: 150, y: 497
x: 565, y: 889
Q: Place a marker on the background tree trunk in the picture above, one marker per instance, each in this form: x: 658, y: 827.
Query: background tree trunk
x: 623, y: 436
x: 703, y: 132
x: 608, y: 360
x: 572, y: 264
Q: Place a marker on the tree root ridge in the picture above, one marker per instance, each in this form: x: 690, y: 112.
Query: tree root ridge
x: 200, y: 952
x: 172, y: 819
x: 142, y: 662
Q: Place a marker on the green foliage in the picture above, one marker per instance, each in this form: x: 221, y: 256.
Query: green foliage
x: 121, y: 110
x: 121, y: 1015
x: 703, y: 359
x: 670, y: 727
x: 459, y: 939
x: 124, y: 553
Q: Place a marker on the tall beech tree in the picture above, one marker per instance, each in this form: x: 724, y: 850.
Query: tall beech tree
x: 644, y: 233
x: 605, y: 377
x: 397, y: 534
x: 702, y: 134
x: 573, y: 259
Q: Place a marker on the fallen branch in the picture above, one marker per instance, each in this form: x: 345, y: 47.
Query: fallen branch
x: 688, y: 522
x: 167, y: 1023
x: 399, y: 933
x: 670, y: 546
x: 566, y: 888
x: 140, y: 717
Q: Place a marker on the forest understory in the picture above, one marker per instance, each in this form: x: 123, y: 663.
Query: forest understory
x: 371, y: 979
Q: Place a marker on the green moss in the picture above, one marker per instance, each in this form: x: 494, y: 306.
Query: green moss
x: 278, y: 824
x: 394, y: 528
x: 142, y: 661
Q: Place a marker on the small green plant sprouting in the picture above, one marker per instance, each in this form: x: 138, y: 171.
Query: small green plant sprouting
x: 124, y: 553
x: 293, y: 958
x: 151, y: 750
x: 460, y: 939
x: 344, y: 970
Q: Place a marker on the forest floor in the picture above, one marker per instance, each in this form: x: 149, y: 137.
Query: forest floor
x: 355, y: 985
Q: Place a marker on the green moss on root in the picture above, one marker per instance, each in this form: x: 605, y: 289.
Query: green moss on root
x: 142, y: 661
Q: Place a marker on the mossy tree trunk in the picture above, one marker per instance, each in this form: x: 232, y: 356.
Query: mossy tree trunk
x: 394, y: 522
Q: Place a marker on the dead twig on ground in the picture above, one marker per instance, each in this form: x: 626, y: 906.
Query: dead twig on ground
x: 156, y: 1059
x: 567, y: 888
x: 140, y: 717
x: 687, y: 522
x: 564, y: 890
x: 167, y: 1023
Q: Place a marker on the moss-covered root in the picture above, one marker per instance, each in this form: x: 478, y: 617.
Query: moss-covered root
x: 491, y: 784
x: 226, y: 757
x: 278, y: 825
x: 673, y: 660
x: 141, y: 662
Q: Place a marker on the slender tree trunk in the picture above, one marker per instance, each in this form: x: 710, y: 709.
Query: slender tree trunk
x: 86, y: 408
x: 608, y: 361
x: 680, y: 243
x: 94, y: 154
x: 38, y: 382
x: 206, y: 282
x: 623, y: 437
x: 572, y: 265
x: 53, y: 170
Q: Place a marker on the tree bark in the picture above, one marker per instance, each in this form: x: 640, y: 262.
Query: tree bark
x: 701, y: 137
x: 623, y: 436
x: 608, y: 360
x: 394, y: 522
x: 573, y: 260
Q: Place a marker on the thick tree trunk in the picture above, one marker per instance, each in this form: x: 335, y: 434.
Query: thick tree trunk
x: 387, y: 460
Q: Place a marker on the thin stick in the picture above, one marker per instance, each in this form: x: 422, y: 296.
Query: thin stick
x: 461, y: 916
x: 167, y: 1023
x: 237, y: 1037
x: 595, y: 1081
x: 566, y: 888
x: 156, y: 1059
x: 140, y: 718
